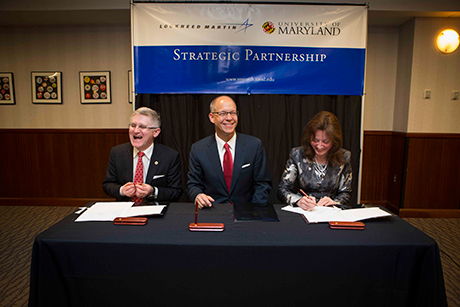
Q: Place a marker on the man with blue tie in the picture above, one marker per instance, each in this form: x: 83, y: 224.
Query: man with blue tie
x: 227, y: 167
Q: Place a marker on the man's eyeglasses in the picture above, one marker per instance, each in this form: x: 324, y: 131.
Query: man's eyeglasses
x: 141, y: 127
x: 224, y: 114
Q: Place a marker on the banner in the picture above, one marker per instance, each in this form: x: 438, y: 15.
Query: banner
x: 249, y: 48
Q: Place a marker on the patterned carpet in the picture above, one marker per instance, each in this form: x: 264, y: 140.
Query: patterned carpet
x: 19, y: 225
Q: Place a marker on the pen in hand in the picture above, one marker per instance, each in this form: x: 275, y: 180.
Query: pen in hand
x: 305, y: 194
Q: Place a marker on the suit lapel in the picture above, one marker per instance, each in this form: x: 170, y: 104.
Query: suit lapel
x: 128, y: 160
x: 213, y: 156
x: 240, y: 154
x: 155, y: 162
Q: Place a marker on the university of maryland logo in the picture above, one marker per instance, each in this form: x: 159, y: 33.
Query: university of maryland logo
x: 268, y: 27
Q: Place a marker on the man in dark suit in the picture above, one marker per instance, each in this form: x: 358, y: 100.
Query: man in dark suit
x: 157, y: 176
x: 233, y: 173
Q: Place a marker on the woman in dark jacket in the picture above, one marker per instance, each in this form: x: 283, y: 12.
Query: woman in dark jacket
x: 321, y: 167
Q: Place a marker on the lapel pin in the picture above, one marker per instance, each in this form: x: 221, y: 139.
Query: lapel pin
x: 156, y: 162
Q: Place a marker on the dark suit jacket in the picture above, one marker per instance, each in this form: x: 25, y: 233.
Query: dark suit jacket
x: 250, y: 180
x: 167, y: 172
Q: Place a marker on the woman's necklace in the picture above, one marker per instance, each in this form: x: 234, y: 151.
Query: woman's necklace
x: 320, y: 171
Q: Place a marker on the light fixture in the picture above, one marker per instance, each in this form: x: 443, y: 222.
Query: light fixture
x: 447, y: 41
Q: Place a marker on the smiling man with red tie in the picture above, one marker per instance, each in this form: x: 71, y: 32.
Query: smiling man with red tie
x: 143, y: 169
x: 227, y: 167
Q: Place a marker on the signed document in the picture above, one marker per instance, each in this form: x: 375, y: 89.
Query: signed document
x: 328, y: 214
x: 108, y: 211
x: 145, y: 210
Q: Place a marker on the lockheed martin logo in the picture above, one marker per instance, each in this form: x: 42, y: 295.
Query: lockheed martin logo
x: 235, y: 26
x: 243, y: 26
x: 220, y: 26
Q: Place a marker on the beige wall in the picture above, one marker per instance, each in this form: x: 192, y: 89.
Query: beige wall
x: 401, y: 63
x: 68, y: 49
x: 379, y: 98
x: 438, y: 72
x: 403, y: 76
x: 73, y: 49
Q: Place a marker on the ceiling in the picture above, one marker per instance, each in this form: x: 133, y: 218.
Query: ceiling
x: 395, y: 18
x: 122, y: 17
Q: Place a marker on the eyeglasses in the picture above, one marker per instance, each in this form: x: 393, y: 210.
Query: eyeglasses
x: 224, y: 114
x: 141, y: 127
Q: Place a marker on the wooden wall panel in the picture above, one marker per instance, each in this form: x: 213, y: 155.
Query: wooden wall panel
x: 55, y: 164
x: 375, y: 167
x: 432, y: 172
x: 66, y: 167
x: 421, y: 177
x: 396, y: 171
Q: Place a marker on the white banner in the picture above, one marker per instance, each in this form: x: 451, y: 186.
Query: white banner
x: 249, y: 48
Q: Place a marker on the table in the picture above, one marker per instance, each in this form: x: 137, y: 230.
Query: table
x: 286, y: 263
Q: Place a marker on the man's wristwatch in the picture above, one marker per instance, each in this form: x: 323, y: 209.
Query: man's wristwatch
x: 154, y: 194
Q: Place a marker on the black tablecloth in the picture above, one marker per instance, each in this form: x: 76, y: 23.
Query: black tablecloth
x: 286, y: 263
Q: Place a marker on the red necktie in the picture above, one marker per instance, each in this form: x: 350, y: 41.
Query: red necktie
x: 139, y: 176
x: 228, y: 167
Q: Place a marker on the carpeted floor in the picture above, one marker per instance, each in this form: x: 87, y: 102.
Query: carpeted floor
x: 19, y: 225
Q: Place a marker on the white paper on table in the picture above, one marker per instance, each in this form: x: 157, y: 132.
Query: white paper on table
x: 359, y: 214
x: 328, y: 214
x: 80, y: 210
x: 105, y: 211
x: 144, y: 210
x: 316, y: 214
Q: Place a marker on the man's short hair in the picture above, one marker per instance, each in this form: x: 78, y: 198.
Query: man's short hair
x: 152, y: 114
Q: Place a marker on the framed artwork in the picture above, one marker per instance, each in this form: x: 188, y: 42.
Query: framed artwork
x: 130, y: 86
x: 47, y: 87
x: 6, y: 88
x: 95, y: 87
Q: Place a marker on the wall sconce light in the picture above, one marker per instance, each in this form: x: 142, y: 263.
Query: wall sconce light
x: 447, y: 41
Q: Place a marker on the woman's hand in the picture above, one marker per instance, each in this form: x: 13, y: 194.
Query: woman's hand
x: 326, y: 201
x: 307, y: 202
